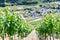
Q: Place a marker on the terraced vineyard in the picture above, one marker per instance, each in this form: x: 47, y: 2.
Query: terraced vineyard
x: 30, y: 22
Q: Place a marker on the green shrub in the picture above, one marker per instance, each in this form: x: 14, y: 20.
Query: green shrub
x: 13, y: 24
x: 49, y: 25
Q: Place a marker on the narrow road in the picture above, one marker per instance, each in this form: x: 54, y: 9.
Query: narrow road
x: 36, y: 20
x: 23, y: 18
x: 31, y: 20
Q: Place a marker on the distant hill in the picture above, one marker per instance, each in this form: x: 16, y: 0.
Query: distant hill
x: 29, y: 0
x: 23, y: 2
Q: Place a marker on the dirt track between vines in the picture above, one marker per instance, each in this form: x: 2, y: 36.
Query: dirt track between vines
x: 32, y: 36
